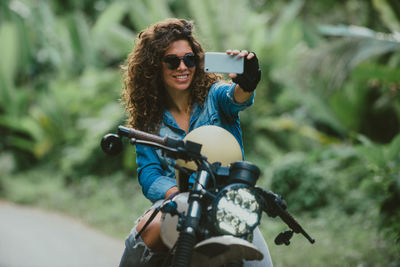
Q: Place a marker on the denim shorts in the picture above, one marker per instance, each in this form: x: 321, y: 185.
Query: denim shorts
x: 137, y: 254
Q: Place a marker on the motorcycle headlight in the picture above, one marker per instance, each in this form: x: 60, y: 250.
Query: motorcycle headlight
x: 236, y: 210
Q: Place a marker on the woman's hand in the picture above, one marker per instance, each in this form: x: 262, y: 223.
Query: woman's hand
x: 248, y: 80
x: 243, y: 53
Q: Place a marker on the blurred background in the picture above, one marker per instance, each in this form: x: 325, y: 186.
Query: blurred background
x: 324, y: 128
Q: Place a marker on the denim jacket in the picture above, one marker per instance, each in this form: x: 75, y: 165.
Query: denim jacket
x: 155, y: 175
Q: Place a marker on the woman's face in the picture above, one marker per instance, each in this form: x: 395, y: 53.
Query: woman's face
x: 179, y: 78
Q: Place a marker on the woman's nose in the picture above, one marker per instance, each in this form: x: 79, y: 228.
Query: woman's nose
x: 182, y: 65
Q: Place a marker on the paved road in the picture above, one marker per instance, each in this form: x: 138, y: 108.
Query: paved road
x: 34, y: 238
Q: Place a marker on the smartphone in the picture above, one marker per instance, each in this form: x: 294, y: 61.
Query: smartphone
x: 223, y: 63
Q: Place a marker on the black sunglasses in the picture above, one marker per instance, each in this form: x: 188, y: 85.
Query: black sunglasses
x: 173, y: 61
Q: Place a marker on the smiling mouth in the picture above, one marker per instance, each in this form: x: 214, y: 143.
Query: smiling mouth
x: 181, y: 77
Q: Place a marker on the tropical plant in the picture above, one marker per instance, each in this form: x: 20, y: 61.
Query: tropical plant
x: 326, y: 118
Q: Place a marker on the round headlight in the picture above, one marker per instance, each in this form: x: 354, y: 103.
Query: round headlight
x: 236, y: 210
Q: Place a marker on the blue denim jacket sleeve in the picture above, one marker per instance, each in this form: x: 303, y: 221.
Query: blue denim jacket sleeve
x: 223, y: 95
x: 151, y: 174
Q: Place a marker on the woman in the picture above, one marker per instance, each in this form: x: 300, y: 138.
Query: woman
x: 168, y: 93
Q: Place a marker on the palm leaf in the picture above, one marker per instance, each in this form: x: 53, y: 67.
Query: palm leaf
x: 109, y: 35
x: 138, y: 14
x: 159, y: 10
x: 9, y: 43
x: 204, y: 14
x: 333, y: 61
x: 81, y: 41
x: 388, y: 15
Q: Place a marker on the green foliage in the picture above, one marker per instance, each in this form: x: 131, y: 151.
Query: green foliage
x: 383, y: 163
x: 324, y: 127
x: 387, y: 14
x: 302, y: 186
x: 351, y: 240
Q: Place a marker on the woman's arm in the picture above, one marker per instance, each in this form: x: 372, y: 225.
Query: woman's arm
x: 240, y: 95
x: 171, y: 191
x: 246, y: 84
x: 152, y: 176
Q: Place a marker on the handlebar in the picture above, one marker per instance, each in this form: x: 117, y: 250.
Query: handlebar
x: 274, y: 206
x: 172, y: 146
x: 140, y: 135
x: 294, y: 225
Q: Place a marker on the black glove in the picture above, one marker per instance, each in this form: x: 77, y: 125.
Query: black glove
x: 251, y: 75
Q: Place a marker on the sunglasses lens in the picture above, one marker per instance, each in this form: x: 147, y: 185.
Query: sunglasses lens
x: 172, y: 61
x: 190, y: 60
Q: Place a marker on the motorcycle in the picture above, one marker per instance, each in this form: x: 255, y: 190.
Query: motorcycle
x: 211, y: 221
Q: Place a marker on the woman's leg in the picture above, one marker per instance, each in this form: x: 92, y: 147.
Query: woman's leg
x: 151, y: 235
x: 144, y: 250
x: 137, y: 254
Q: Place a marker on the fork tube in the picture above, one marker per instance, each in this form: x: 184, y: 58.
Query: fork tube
x: 187, y: 235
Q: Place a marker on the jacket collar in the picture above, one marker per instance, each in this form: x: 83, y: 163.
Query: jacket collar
x: 169, y: 120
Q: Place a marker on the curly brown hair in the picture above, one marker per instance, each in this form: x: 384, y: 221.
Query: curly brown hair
x: 144, y: 94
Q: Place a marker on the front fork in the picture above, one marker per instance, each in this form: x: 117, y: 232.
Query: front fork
x: 188, y: 226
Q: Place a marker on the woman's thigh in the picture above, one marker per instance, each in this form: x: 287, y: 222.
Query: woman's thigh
x: 137, y: 253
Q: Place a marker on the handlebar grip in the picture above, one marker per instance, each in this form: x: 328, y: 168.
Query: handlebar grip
x: 140, y: 135
x: 296, y: 227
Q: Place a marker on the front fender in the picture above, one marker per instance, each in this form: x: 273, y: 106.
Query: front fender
x: 217, y: 251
